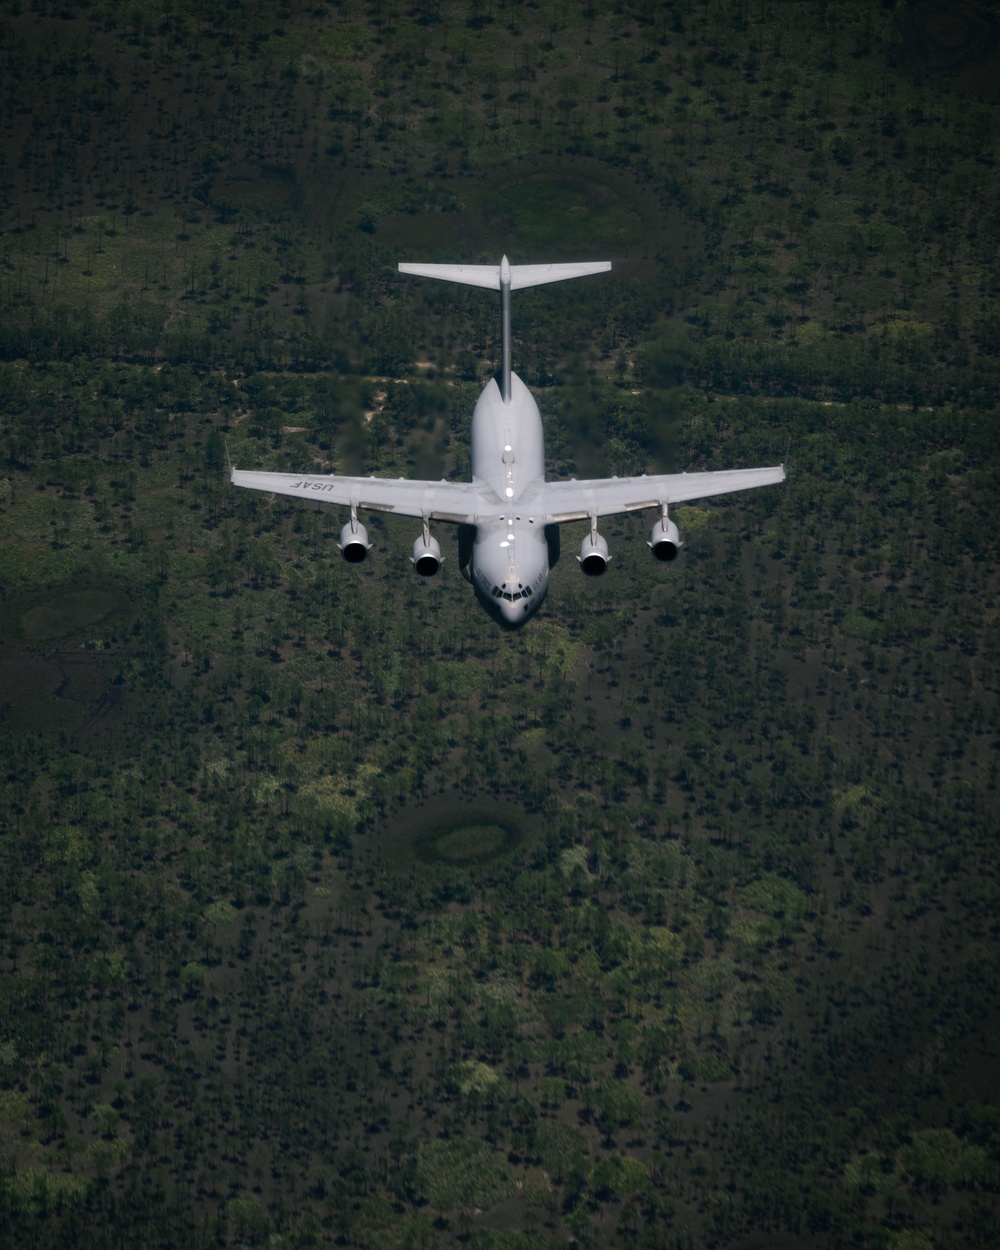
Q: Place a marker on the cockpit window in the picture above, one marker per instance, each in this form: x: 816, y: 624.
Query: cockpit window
x: 522, y: 592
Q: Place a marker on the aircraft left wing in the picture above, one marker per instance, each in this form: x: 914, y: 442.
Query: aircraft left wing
x: 461, y: 502
x: 576, y: 500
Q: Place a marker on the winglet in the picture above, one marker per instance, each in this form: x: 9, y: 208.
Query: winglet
x: 229, y: 463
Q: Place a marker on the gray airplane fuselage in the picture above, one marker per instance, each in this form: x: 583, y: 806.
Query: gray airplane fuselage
x: 509, y: 562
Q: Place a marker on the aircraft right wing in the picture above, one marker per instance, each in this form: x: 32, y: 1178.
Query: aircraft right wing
x: 460, y: 502
x: 576, y: 500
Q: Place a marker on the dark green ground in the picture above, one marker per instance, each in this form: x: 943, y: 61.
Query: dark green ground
x: 331, y: 915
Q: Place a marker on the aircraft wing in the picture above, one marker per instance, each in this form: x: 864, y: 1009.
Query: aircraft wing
x: 460, y: 502
x: 576, y: 500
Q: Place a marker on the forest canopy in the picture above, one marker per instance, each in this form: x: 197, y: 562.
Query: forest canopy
x: 330, y: 915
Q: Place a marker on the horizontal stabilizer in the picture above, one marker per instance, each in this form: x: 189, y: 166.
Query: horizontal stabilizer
x: 471, y: 275
x: 520, y: 275
x: 536, y: 275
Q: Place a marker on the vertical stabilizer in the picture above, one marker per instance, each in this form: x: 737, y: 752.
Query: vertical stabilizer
x: 505, y: 330
x: 505, y: 278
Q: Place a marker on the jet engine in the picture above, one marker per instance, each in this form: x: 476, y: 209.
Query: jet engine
x: 426, y: 555
x: 354, y: 542
x: 665, y: 540
x: 593, y: 555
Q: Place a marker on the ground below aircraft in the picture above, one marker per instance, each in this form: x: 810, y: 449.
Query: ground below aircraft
x: 508, y: 515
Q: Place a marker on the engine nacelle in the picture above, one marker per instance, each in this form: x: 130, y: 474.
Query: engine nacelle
x: 665, y: 540
x: 354, y: 542
x: 593, y: 555
x: 426, y: 556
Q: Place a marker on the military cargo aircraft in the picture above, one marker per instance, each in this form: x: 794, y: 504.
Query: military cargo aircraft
x: 508, y: 516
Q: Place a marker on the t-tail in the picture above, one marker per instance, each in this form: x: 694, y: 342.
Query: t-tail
x: 505, y: 278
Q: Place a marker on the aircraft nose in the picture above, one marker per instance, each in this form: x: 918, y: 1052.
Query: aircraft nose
x: 513, y: 612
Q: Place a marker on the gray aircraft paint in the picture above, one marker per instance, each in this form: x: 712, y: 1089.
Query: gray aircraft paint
x: 508, y: 504
x: 510, y: 551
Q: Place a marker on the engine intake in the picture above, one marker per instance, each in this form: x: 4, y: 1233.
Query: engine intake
x: 665, y: 540
x: 354, y: 542
x: 593, y: 555
x: 426, y: 556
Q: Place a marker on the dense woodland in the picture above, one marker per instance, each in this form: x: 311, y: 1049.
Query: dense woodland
x: 331, y: 915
